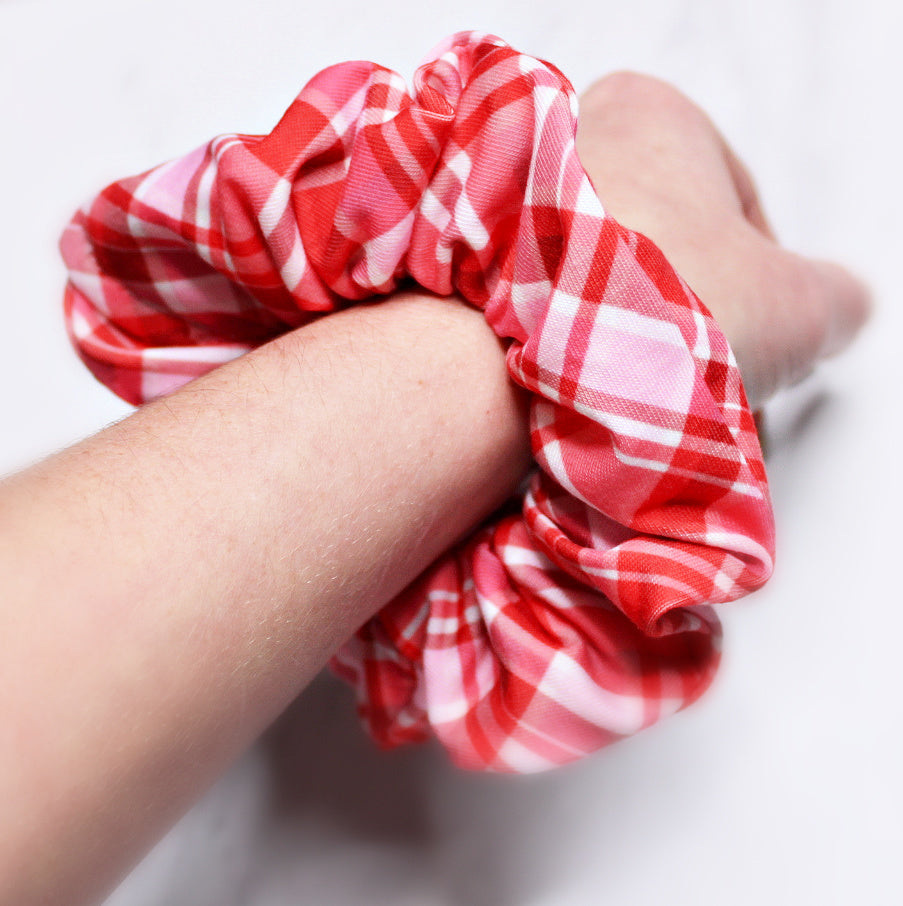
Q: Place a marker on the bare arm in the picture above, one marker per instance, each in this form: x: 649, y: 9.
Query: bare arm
x: 171, y: 584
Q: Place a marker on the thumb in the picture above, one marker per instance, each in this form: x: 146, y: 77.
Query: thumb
x: 807, y: 310
x: 847, y: 303
x: 781, y: 312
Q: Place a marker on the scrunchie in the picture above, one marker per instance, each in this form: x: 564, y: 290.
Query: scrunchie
x: 582, y: 616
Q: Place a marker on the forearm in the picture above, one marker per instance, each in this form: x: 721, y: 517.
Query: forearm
x: 174, y: 582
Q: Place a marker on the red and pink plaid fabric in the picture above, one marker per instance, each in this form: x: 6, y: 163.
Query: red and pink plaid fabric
x: 583, y: 617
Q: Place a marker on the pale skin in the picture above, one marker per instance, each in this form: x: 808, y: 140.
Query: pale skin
x: 171, y: 584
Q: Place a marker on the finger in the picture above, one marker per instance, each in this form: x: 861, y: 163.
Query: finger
x: 817, y: 309
x: 746, y: 191
x: 780, y: 311
x: 847, y: 302
x: 642, y: 142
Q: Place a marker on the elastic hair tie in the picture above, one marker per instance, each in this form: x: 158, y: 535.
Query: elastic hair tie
x: 584, y: 617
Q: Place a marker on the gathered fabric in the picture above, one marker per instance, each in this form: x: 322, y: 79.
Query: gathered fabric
x: 582, y: 613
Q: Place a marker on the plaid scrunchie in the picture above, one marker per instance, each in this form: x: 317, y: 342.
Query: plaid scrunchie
x: 583, y: 616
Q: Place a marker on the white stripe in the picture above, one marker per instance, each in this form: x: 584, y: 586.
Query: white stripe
x: 294, y: 268
x: 523, y: 760
x: 202, y: 207
x: 551, y: 452
x: 567, y: 683
x: 271, y: 213
x: 701, y: 350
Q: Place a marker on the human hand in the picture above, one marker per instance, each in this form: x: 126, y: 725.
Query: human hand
x: 662, y: 169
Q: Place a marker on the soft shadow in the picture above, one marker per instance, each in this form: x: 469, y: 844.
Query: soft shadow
x: 322, y: 764
x: 793, y: 417
x: 470, y: 839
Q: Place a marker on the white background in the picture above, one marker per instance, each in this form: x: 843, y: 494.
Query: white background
x: 783, y: 785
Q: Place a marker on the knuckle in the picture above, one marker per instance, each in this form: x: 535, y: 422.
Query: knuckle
x: 632, y: 101
x: 805, y: 306
x: 628, y: 88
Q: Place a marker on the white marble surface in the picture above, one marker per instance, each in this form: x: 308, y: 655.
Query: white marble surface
x: 783, y: 785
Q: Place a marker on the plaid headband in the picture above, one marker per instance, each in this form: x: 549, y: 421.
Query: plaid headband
x: 581, y: 617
